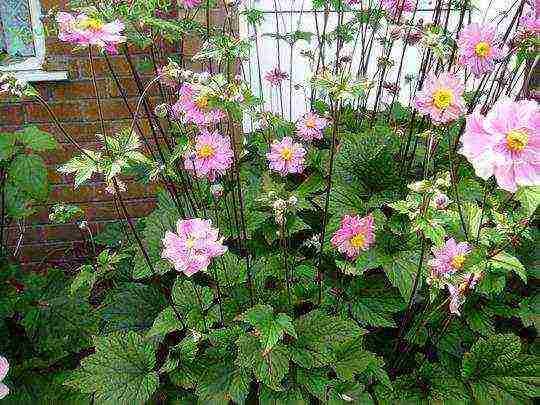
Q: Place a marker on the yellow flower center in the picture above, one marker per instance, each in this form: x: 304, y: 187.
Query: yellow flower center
x: 358, y: 240
x: 442, y: 98
x: 286, y: 153
x: 516, y: 140
x: 206, y: 151
x: 310, y: 122
x: 190, y: 242
x: 482, y: 49
x: 92, y: 24
x: 201, y: 102
x: 457, y: 261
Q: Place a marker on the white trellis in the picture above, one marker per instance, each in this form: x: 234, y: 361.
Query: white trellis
x: 282, y: 17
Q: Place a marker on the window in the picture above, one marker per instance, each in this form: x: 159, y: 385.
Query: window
x: 286, y: 16
x: 22, y: 41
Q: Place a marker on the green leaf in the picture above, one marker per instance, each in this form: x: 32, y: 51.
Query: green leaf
x: 120, y: 372
x: 37, y: 140
x: 195, y: 303
x: 529, y: 197
x: 271, y: 327
x: 85, y: 278
x: 498, y: 373
x: 221, y: 383
x: 7, y: 145
x: 377, y: 311
x: 351, y: 359
x: 472, y: 216
x: 29, y: 173
x: 58, y: 322
x: 83, y: 166
x: 161, y: 220
x: 270, y: 367
x: 317, y: 334
x: 507, y: 262
x: 131, y: 306
x: 165, y: 322
x: 401, y: 270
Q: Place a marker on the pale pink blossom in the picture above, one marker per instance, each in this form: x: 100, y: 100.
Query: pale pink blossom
x: 354, y: 235
x: 459, y: 289
x: 83, y: 30
x: 449, y: 259
x: 276, y: 76
x: 478, y: 49
x: 211, y: 157
x: 286, y: 156
x: 193, y: 246
x: 191, y: 3
x: 397, y: 8
x: 530, y: 23
x: 311, y: 126
x: 4, y: 368
x: 441, y: 98
x: 505, y: 143
x: 192, y: 108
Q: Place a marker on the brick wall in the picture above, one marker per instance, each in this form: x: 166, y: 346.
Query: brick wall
x: 74, y: 104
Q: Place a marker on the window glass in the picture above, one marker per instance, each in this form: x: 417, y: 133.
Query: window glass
x: 17, y: 32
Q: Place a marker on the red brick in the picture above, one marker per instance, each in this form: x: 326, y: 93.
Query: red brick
x: 12, y: 114
x: 64, y: 111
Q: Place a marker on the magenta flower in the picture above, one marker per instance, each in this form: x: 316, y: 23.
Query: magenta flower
x: 505, y: 143
x: 441, y: 98
x: 4, y: 368
x: 276, y: 76
x: 459, y: 290
x: 191, y: 3
x: 311, y: 126
x: 530, y: 23
x: 397, y: 8
x: 192, y: 107
x: 354, y: 235
x: 286, y: 156
x: 193, y: 246
x: 86, y: 31
x: 477, y: 48
x: 448, y: 259
x: 212, y: 156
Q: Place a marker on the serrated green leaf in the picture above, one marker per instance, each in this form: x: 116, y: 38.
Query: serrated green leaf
x: 506, y: 261
x: 529, y: 197
x: 37, y: 140
x: 120, y: 372
x: 165, y: 322
x: 29, y: 173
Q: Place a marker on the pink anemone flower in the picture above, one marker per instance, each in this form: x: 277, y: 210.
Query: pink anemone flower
x: 193, y: 246
x: 354, y: 235
x: 505, y: 143
x: 441, y: 98
x: 311, y: 126
x: 477, y: 48
x: 4, y: 368
x: 192, y: 107
x: 397, y: 8
x: 448, y: 259
x: 85, y: 31
x: 459, y: 290
x: 286, y: 156
x: 191, y: 3
x: 276, y: 76
x: 212, y: 156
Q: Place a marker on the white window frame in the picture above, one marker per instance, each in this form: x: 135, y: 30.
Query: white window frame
x: 31, y: 69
